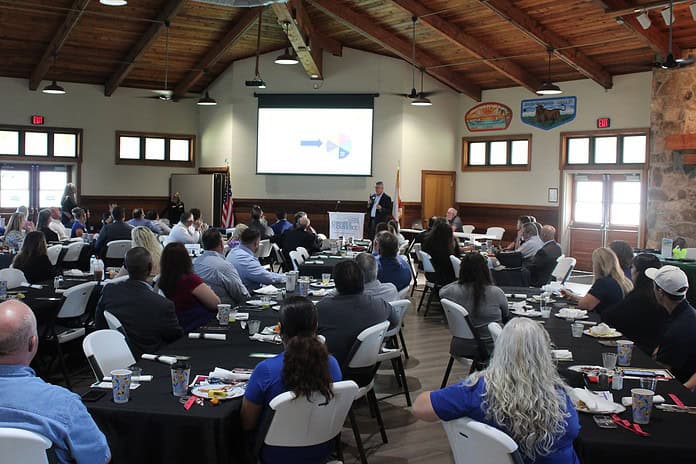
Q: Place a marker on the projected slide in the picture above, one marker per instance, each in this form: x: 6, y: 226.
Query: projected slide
x: 328, y: 141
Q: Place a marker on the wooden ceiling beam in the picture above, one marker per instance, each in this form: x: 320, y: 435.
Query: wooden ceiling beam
x: 59, y: 38
x: 631, y: 8
x: 304, y: 22
x: 562, y: 48
x: 459, y: 38
x: 299, y: 33
x: 365, y: 26
x: 212, y: 56
x: 170, y: 10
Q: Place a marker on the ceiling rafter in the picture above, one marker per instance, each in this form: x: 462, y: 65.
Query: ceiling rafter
x: 624, y: 7
x: 549, y: 39
x: 170, y: 10
x: 365, y: 26
x: 459, y: 38
x: 217, y: 52
x: 300, y: 35
x: 303, y: 20
x: 59, y: 38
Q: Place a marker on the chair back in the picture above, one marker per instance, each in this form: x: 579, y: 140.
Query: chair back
x: 17, y: 445
x: 400, y: 307
x: 296, y: 258
x: 117, y: 249
x: 497, y: 232
x: 473, y: 441
x: 365, y: 351
x: 13, y: 277
x: 113, y: 322
x: 458, y: 320
x: 564, y: 267
x: 72, y: 254
x: 193, y: 249
x: 691, y: 253
x: 303, y: 251
x: 321, y: 236
x: 427, y: 261
x: 309, y: 421
x: 456, y: 265
x: 107, y: 350
x: 163, y: 239
x: 468, y: 229
x: 495, y: 330
x: 264, y: 250
x: 53, y: 253
x: 76, y: 299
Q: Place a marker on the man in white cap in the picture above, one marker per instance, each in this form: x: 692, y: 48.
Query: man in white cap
x: 676, y: 349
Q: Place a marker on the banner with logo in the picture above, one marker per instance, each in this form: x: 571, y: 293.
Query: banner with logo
x: 346, y: 225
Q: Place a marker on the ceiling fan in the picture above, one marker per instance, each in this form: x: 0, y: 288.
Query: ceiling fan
x: 417, y: 98
x: 165, y: 94
x: 670, y: 62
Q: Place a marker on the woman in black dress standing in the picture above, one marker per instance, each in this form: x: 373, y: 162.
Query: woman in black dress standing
x: 175, y: 209
x: 67, y: 203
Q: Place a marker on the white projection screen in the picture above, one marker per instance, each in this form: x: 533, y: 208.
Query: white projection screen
x: 315, y: 134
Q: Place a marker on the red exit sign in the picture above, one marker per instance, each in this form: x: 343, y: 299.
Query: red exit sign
x: 37, y: 120
x: 603, y: 123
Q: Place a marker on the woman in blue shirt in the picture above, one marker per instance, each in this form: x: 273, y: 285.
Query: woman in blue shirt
x: 303, y: 368
x: 519, y: 393
x: 78, y: 228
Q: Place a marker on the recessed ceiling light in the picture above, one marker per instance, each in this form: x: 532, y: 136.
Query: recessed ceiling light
x: 113, y: 2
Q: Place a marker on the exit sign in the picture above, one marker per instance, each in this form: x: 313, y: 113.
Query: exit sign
x: 37, y: 120
x: 603, y: 123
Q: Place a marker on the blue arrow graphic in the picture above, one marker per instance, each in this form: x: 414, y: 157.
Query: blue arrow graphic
x: 310, y: 143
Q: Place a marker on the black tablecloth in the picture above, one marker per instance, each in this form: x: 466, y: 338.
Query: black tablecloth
x: 671, y: 433
x: 153, y: 427
x: 317, y: 269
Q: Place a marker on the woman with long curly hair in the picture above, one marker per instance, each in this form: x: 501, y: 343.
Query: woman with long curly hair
x: 303, y: 368
x: 519, y: 393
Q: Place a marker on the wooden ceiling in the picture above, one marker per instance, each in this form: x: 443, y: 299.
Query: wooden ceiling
x: 470, y: 45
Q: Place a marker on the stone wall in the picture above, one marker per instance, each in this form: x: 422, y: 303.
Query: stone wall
x: 672, y: 185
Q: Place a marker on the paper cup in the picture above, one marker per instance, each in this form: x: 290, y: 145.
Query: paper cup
x: 576, y: 329
x: 121, y: 381
x: 291, y: 281
x: 642, y: 401
x: 303, y: 286
x: 624, y: 351
x: 223, y: 314
x: 180, y: 378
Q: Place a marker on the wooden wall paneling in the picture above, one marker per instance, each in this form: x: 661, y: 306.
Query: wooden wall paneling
x: 412, y: 212
x: 582, y: 244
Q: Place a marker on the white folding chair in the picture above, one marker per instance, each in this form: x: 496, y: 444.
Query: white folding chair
x: 303, y: 251
x: 264, y: 250
x: 299, y: 422
x: 117, y: 249
x: 13, y: 277
x: 460, y: 326
x: 476, y: 442
x: 497, y: 232
x: 72, y: 252
x: 297, y: 259
x: 321, y: 236
x: 366, y: 355
x: 278, y: 257
x: 107, y: 350
x: 23, y: 446
x: 400, y: 307
x: 75, y: 305
x: 113, y: 322
x: 495, y: 330
x: 468, y: 229
x: 53, y: 253
x: 403, y: 293
x: 415, y: 255
x: 456, y: 265
x: 564, y: 268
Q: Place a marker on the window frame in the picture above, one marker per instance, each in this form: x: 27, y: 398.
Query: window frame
x: 22, y: 157
x: 142, y: 161
x: 592, y: 135
x: 508, y: 166
x: 35, y: 170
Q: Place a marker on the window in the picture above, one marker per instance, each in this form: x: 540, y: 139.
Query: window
x: 14, y: 188
x: 33, y: 185
x: 503, y: 153
x: 604, y: 148
x: 155, y: 149
x: 44, y: 142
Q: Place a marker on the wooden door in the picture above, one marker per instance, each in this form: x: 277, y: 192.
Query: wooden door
x: 437, y: 192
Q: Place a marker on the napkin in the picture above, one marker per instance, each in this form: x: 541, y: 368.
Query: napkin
x: 27, y: 284
x: 518, y: 305
x: 572, y: 312
x: 601, y: 329
x: 142, y: 378
x: 267, y: 290
x: 628, y: 400
x: 162, y: 359
x: 228, y: 375
x: 265, y: 338
x: 321, y: 292
x: 208, y: 336
x: 74, y: 273
x: 562, y: 355
x: 593, y: 402
x: 519, y: 295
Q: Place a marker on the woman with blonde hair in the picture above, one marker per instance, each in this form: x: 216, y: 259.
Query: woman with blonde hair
x: 610, y: 283
x: 237, y: 236
x: 520, y: 393
x: 14, y: 233
x: 143, y: 237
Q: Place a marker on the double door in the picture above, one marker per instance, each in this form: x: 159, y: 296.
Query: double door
x: 33, y: 186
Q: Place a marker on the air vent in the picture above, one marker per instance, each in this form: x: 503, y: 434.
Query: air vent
x: 241, y: 3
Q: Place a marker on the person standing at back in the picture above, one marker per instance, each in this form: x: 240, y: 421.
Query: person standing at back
x: 379, y: 208
x: 67, y: 203
x: 175, y: 209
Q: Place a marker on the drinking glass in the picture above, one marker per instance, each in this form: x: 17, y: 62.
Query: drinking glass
x: 136, y: 372
x: 254, y: 326
x: 325, y: 278
x: 576, y: 329
x: 648, y: 383
x: 609, y: 361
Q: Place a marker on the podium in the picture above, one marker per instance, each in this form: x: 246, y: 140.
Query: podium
x: 345, y: 224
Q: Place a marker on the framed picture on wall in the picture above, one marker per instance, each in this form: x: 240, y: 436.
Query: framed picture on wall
x: 553, y: 195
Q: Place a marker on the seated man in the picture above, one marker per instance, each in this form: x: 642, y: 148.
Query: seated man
x: 342, y: 317
x: 198, y: 226
x: 532, y: 242
x: 258, y: 223
x: 29, y: 403
x: 543, y: 262
x: 676, y: 349
x: 139, y: 220
x: 153, y: 216
x: 56, y: 225
x: 282, y: 224
x: 183, y: 231
x: 148, y: 318
x: 373, y: 287
x: 300, y: 236
x: 218, y: 273
x: 115, y: 230
x: 392, y: 267
x: 454, y: 220
x: 247, y: 264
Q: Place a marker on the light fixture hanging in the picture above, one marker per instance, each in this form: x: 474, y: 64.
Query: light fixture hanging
x: 113, y: 2
x: 53, y: 88
x: 257, y: 82
x: 644, y: 20
x: 288, y: 56
x: 548, y: 87
x: 421, y: 99
x: 206, y: 100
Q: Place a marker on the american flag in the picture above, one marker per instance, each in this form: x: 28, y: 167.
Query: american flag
x: 227, y: 202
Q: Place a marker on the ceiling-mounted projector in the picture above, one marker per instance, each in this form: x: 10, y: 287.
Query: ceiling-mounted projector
x: 242, y: 3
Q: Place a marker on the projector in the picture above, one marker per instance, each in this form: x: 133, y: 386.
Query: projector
x: 256, y: 82
x: 241, y: 3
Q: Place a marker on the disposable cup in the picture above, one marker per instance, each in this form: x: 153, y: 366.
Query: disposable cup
x: 121, y: 382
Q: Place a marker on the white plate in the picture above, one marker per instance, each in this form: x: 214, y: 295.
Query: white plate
x: 259, y: 302
x: 321, y: 285
x: 526, y: 313
x: 614, y: 334
x: 260, y: 292
x: 585, y: 368
x: 233, y: 392
x: 537, y: 299
x: 569, y: 317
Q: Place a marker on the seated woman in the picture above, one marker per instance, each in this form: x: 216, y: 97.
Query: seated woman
x: 519, y: 393
x: 304, y: 367
x: 392, y: 268
x: 624, y: 252
x: 380, y: 227
x: 610, y: 284
x: 33, y: 259
x: 42, y: 223
x: 440, y: 244
x: 484, y: 301
x: 194, y: 301
x: 144, y: 237
x: 78, y: 228
x: 236, y: 239
x: 639, y: 316
x: 28, y: 225
x: 394, y: 228
x: 14, y: 233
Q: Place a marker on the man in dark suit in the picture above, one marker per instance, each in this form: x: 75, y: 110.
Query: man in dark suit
x: 379, y: 208
x: 543, y: 262
x: 148, y: 319
x: 300, y: 236
x: 116, y: 230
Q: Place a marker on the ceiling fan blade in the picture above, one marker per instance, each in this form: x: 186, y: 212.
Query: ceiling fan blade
x: 430, y: 94
x: 686, y: 61
x: 165, y: 92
